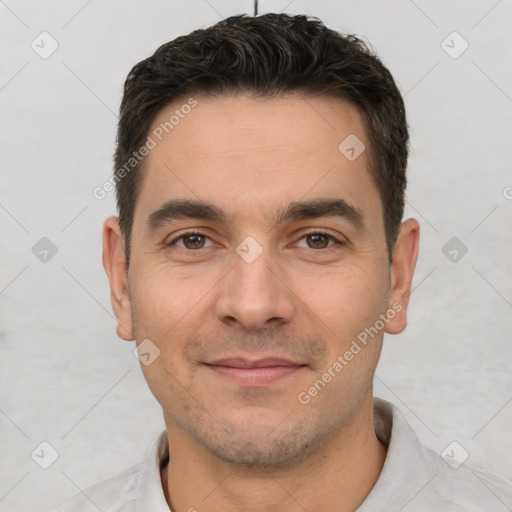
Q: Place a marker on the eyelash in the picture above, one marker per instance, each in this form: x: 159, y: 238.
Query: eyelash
x: 313, y: 232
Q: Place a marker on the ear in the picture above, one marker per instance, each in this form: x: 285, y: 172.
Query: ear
x: 405, y: 254
x: 114, y: 262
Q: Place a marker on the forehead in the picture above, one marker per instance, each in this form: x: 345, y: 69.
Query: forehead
x: 235, y: 126
x: 249, y: 155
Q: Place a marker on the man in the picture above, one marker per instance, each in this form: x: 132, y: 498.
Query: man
x: 258, y: 259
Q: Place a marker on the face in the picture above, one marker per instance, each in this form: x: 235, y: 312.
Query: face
x: 258, y: 264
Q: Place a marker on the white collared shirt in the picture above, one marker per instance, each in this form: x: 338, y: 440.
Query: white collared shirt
x: 413, y: 479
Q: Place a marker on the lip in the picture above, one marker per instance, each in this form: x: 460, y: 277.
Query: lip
x: 254, y: 372
x: 244, y: 362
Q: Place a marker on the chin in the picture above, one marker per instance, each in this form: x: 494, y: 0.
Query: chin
x: 260, y: 445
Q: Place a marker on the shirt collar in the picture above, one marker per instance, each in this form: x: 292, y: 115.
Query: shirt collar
x: 151, y: 496
x: 408, y: 467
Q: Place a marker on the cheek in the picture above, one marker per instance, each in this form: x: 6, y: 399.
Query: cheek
x: 163, y: 299
x: 163, y: 313
x: 161, y: 310
x: 346, y: 300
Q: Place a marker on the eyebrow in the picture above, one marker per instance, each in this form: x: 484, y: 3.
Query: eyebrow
x: 177, y: 209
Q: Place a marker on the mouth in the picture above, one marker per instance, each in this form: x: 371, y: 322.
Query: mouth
x: 254, y: 372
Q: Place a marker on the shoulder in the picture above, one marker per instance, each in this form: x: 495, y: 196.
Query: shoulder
x: 116, y: 494
x: 415, y: 478
x: 463, y: 488
x: 471, y: 489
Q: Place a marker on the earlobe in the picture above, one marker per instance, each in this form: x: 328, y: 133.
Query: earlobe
x: 114, y: 262
x: 405, y: 255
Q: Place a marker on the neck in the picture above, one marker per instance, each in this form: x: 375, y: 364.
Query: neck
x: 339, y: 476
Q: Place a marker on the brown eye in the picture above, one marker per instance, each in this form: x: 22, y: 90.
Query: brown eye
x: 318, y: 240
x: 189, y: 241
x: 193, y: 241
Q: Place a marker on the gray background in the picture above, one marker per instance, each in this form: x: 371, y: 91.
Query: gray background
x: 65, y: 376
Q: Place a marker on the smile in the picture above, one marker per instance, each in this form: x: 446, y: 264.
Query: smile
x: 254, y: 373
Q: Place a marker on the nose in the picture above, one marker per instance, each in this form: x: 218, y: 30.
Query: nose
x: 254, y: 294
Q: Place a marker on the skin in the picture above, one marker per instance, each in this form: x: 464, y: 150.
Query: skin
x: 235, y: 447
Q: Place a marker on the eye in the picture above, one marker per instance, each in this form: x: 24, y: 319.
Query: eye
x: 316, y: 240
x: 191, y: 240
x: 195, y: 240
